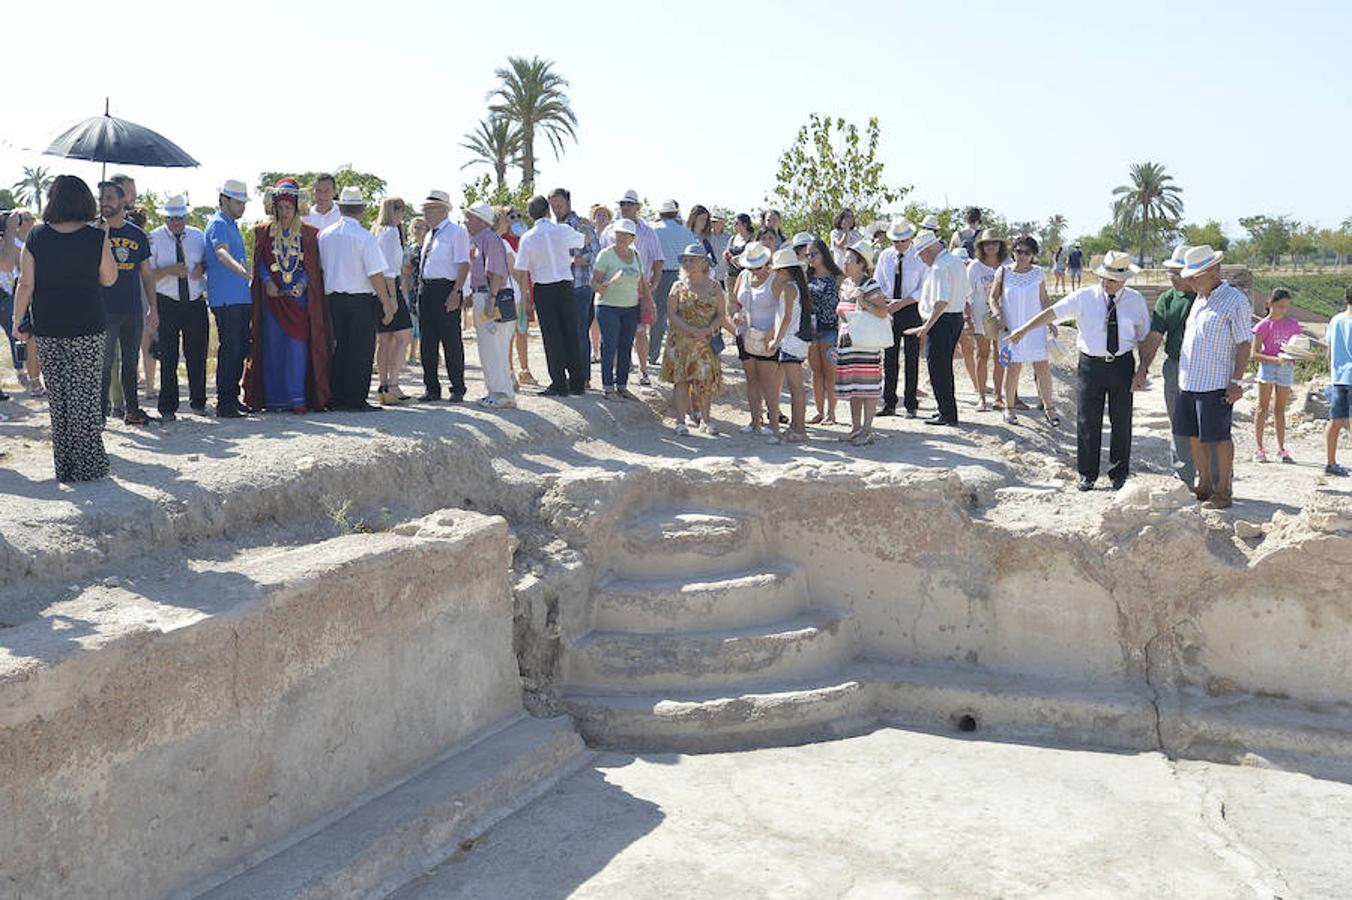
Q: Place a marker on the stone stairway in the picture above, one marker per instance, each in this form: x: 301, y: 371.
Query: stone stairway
x: 702, y: 640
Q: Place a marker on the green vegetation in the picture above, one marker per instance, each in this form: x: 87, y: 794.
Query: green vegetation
x: 534, y: 98
x: 1149, y: 208
x: 1322, y: 294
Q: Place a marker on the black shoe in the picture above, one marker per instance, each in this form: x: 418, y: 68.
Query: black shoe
x: 228, y: 412
x: 910, y: 414
x: 456, y: 397
x: 887, y: 411
x: 168, y: 417
x: 578, y: 392
x: 199, y: 410
x: 1118, y: 482
x: 938, y: 419
x: 363, y: 407
x: 430, y: 397
x: 117, y: 413
x: 3, y: 396
x: 1085, y: 484
x: 552, y: 392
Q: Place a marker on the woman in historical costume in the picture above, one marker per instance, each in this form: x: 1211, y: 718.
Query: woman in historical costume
x: 288, y: 367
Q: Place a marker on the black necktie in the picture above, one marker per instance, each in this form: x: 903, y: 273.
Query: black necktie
x: 896, y: 282
x: 183, y: 279
x: 1112, y: 325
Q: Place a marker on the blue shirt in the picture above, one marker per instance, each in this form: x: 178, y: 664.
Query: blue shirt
x: 674, y: 237
x: 225, y: 287
x: 1339, y: 337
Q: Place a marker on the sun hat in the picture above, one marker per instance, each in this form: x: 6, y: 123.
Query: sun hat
x: 693, y: 251
x: 624, y: 226
x: 901, y: 230
x: 1176, y: 261
x: 1299, y: 346
x: 1198, y: 259
x: 755, y: 256
x: 864, y: 249
x: 1116, y: 266
x: 961, y: 253
x: 235, y: 190
x: 931, y: 223
x: 176, y: 207
x: 784, y: 258
x: 350, y: 196
x: 668, y: 206
x: 483, y: 212
x: 926, y: 240
x: 630, y: 196
x: 988, y: 236
x: 437, y: 198
x: 803, y: 239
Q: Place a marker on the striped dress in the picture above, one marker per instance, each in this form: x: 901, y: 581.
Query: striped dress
x: 859, y: 373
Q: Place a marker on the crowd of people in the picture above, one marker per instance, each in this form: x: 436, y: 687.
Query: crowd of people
x: 325, y: 302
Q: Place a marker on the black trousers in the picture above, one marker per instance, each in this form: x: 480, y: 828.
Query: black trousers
x: 556, y: 311
x: 906, y: 317
x: 232, y: 331
x: 441, y: 333
x: 186, y: 322
x: 125, y: 331
x: 355, y: 318
x: 943, y: 340
x: 1100, y: 381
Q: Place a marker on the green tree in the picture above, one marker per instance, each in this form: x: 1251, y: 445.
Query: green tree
x: 7, y: 200
x: 496, y: 143
x: 1053, y: 233
x: 1304, y: 243
x: 484, y: 191
x: 1271, y: 236
x: 372, y: 186
x: 534, y: 98
x: 32, y: 188
x: 830, y: 167
x: 1210, y: 233
x: 1337, y: 242
x: 1149, y: 207
x: 1108, y: 238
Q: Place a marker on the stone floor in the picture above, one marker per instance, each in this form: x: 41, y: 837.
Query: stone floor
x: 899, y: 814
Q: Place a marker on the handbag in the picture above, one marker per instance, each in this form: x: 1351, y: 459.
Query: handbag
x: 756, y: 342
x: 868, y: 332
x: 506, y: 304
x: 716, y: 343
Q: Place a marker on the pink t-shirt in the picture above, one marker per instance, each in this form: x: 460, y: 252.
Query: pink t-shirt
x: 1274, y: 333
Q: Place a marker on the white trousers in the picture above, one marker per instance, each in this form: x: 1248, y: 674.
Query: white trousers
x: 494, y: 340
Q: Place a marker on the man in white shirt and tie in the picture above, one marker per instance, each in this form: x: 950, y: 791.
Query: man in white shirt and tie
x: 1111, y: 321
x: 544, y: 253
x: 354, y: 282
x: 943, y: 306
x: 444, y: 272
x: 178, y: 265
x: 324, y: 213
x: 904, y: 304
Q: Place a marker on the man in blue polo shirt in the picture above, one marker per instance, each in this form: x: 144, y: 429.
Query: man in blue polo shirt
x: 228, y: 296
x: 122, y: 308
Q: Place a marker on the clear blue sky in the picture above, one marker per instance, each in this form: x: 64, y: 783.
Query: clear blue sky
x: 1031, y: 108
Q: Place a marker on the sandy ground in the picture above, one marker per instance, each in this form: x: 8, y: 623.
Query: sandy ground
x: 897, y: 814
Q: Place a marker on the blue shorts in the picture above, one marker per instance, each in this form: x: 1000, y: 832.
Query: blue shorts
x: 1283, y: 374
x: 826, y: 337
x: 1340, y: 401
x: 1205, y: 415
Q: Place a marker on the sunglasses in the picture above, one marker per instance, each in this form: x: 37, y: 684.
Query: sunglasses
x: 513, y: 216
x: 175, y: 218
x: 1023, y: 252
x: 812, y: 254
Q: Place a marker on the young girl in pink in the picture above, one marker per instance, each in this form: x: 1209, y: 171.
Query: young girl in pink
x: 1276, y: 372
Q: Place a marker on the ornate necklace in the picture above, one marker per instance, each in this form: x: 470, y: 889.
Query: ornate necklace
x: 286, y: 252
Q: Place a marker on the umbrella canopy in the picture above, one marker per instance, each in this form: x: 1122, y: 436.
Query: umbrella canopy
x: 108, y: 139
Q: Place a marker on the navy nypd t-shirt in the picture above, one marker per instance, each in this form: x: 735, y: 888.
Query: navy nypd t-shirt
x: 131, y: 246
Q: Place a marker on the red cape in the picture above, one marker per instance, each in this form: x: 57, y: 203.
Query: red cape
x: 316, y: 319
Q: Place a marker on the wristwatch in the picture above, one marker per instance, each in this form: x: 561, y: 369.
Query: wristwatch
x: 1237, y: 382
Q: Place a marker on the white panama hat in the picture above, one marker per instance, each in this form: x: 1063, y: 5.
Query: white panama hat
x: 630, y: 196
x: 435, y: 197
x: 1116, y: 266
x: 176, y: 207
x: 1198, y: 259
x: 483, y: 212
x: 926, y: 240
x: 624, y: 226
x: 668, y: 206
x: 350, y: 196
x: 1177, y: 261
x: 901, y: 230
x: 235, y: 190
x: 755, y: 256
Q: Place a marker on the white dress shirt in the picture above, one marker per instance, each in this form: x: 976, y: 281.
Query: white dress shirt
x: 392, y: 249
x: 913, y: 271
x: 349, y: 256
x: 544, y: 252
x: 1089, y: 308
x: 164, y: 253
x: 322, y: 220
x: 946, y: 282
x: 445, y: 249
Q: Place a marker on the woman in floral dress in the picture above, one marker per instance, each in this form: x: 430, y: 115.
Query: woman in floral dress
x: 696, y: 317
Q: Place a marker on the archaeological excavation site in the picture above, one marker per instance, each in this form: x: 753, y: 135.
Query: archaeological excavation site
x: 463, y: 654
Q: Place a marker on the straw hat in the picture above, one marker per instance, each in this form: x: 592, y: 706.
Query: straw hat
x: 483, y: 212
x: 931, y: 223
x: 630, y: 196
x: 1198, y: 259
x: 176, y: 207
x: 437, y: 198
x: 667, y: 207
x: 1116, y: 266
x: 693, y: 251
x: 1176, y: 261
x: 756, y: 255
x: 926, y: 240
x: 864, y: 249
x: 235, y: 190
x: 351, y: 196
x: 624, y: 226
x: 785, y: 258
x: 1299, y: 346
x: 803, y: 239
x: 990, y: 237
x: 901, y: 230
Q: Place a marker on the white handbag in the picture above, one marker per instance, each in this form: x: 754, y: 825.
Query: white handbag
x: 867, y: 331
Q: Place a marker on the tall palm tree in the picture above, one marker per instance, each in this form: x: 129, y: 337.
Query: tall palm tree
x: 1150, y: 205
x: 496, y: 143
x: 533, y: 97
x: 1054, y: 232
x: 30, y: 189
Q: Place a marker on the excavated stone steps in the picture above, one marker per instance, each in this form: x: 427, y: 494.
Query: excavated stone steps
x: 671, y: 604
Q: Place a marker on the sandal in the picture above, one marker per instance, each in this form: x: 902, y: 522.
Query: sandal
x: 626, y: 394
x: 816, y: 420
x: 863, y: 439
x: 1020, y: 405
x: 612, y: 394
x: 829, y: 420
x: 1052, y: 418
x: 795, y: 437
x: 1010, y: 418
x: 983, y: 406
x: 848, y: 438
x: 525, y: 377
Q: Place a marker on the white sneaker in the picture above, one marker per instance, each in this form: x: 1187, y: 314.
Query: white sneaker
x: 749, y: 429
x: 709, y: 429
x: 681, y: 429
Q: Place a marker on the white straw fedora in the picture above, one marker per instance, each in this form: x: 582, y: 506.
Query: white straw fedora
x: 785, y: 258
x: 668, y: 206
x: 803, y: 239
x: 235, y: 190
x: 1116, y: 266
x: 926, y: 240
x: 931, y: 223
x: 483, y: 212
x: 901, y: 230
x: 755, y: 256
x: 624, y: 226
x: 351, y: 196
x: 1176, y: 261
x: 437, y: 198
x: 1199, y: 259
x: 630, y: 196
x: 864, y: 249
x: 176, y: 207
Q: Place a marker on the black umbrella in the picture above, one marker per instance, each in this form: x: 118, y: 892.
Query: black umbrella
x: 108, y: 139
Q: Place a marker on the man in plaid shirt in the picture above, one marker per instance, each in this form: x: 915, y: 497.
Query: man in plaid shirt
x: 1215, y: 353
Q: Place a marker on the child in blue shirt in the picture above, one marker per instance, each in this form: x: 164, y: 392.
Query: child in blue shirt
x: 1340, y: 393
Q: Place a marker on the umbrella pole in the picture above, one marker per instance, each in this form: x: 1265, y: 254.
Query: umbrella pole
x: 104, y: 174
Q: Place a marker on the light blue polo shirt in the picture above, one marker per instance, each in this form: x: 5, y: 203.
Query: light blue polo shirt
x: 674, y: 238
x: 224, y: 287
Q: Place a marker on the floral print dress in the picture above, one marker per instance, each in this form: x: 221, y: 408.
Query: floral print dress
x: 692, y: 359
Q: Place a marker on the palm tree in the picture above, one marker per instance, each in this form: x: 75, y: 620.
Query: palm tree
x: 30, y: 189
x: 1148, y: 206
x: 532, y: 96
x: 1054, y: 232
x: 496, y: 143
